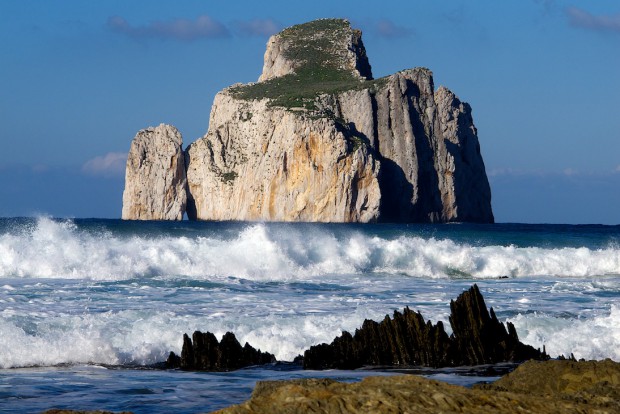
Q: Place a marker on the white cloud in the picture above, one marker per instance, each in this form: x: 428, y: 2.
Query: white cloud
x: 184, y: 30
x: 566, y: 172
x: 603, y: 23
x: 515, y: 172
x: 387, y: 28
x: 258, y: 27
x: 111, y: 164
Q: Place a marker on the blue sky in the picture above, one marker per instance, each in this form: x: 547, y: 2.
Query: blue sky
x: 79, y: 78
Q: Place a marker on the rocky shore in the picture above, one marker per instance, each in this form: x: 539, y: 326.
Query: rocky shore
x: 535, y: 387
x: 557, y: 386
x: 478, y: 338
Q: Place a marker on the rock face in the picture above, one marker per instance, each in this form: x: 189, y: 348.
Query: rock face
x: 594, y: 382
x: 267, y: 163
x: 317, y: 139
x: 287, y: 52
x: 431, y: 166
x: 563, y: 389
x: 155, y: 179
x: 406, y: 339
x: 204, y: 353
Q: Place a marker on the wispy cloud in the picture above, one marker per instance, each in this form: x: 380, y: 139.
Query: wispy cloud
x: 183, y: 30
x: 566, y: 172
x: 387, y: 28
x: 258, y: 27
x: 515, y: 172
x: 584, y: 19
x: 111, y: 164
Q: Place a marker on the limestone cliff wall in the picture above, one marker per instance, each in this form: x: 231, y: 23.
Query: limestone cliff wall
x: 431, y: 167
x: 155, y: 182
x: 317, y: 139
x: 267, y: 163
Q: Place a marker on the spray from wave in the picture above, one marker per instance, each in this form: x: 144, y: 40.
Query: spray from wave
x: 593, y: 338
x: 52, y: 249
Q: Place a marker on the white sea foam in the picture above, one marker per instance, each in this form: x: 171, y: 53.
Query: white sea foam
x: 591, y: 338
x: 52, y: 249
x: 132, y: 337
x: 128, y: 338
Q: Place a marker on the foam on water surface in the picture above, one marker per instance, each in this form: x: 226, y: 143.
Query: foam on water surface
x: 122, y: 323
x: 53, y: 249
x: 122, y: 294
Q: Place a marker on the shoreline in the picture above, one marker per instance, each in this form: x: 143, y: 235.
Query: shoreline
x: 554, y: 386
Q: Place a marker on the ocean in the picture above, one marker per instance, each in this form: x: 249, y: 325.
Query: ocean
x: 87, y: 307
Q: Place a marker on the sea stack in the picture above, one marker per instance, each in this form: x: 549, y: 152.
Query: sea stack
x: 155, y: 182
x: 317, y: 139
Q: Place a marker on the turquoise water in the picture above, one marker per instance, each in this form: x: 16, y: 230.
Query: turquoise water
x: 86, y: 305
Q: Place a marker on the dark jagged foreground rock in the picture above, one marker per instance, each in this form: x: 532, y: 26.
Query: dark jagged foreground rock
x: 204, y: 353
x: 406, y: 339
x: 535, y: 387
x: 478, y: 336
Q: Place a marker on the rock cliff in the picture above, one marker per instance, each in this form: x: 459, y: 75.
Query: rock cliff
x: 318, y: 139
x: 155, y: 180
x: 267, y: 163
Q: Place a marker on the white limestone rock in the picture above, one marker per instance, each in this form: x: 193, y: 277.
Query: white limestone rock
x: 332, y: 39
x: 316, y: 139
x: 266, y: 163
x: 431, y: 166
x: 155, y: 180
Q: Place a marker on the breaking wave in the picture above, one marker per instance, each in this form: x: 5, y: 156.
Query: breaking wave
x: 61, y: 249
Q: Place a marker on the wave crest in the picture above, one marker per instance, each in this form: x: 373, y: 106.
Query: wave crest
x: 52, y: 249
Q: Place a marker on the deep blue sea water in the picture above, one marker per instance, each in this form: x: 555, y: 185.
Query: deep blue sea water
x: 85, y: 305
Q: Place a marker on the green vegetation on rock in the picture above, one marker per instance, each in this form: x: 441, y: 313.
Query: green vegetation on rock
x: 319, y: 56
x: 229, y: 176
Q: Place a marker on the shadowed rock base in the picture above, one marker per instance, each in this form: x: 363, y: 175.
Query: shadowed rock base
x: 535, y: 387
x: 205, y: 353
x: 406, y: 339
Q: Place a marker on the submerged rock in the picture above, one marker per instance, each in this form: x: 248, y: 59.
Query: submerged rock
x: 406, y: 339
x: 204, y: 353
x: 545, y: 387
